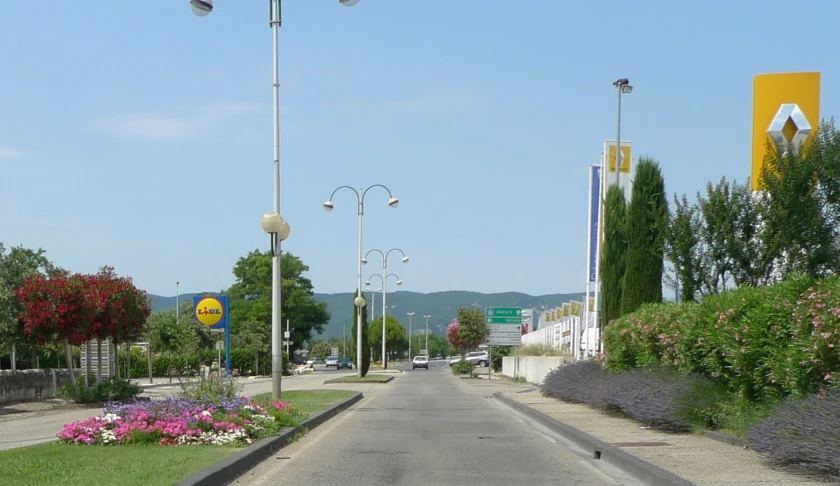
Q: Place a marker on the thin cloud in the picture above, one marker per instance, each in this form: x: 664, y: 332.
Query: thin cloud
x: 434, y: 103
x: 10, y: 153
x: 163, y: 127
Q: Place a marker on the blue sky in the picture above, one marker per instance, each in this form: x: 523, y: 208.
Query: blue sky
x: 138, y: 135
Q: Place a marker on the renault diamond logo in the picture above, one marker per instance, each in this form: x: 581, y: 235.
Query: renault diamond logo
x: 789, y: 125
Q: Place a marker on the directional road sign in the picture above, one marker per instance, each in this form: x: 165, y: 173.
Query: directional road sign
x: 503, y: 312
x: 504, y: 320
x: 493, y: 328
x: 508, y: 341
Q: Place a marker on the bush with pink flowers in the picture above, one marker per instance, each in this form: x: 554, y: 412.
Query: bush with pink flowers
x: 762, y: 343
x: 183, y: 421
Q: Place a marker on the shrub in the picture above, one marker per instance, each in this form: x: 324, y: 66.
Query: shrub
x: 114, y: 389
x: 462, y: 367
x: 802, y: 432
x: 761, y: 343
x: 537, y: 350
x: 213, y: 389
x: 660, y: 397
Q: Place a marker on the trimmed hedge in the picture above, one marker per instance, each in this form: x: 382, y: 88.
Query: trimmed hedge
x: 762, y: 343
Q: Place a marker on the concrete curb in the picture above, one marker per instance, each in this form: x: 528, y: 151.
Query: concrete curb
x: 641, y: 470
x: 726, y: 439
x: 234, y: 466
x: 337, y: 381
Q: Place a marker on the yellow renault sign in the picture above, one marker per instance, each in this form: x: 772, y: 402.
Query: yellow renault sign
x: 786, y: 109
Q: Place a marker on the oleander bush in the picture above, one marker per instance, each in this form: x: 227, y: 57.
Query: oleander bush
x: 761, y: 343
x: 802, y: 432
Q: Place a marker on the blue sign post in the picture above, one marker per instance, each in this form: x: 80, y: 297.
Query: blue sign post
x: 213, y: 312
x: 595, y: 218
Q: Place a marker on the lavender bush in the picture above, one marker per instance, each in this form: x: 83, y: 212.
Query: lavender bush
x: 658, y: 397
x: 803, y: 432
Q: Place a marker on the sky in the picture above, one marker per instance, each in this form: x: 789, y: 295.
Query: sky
x: 140, y: 136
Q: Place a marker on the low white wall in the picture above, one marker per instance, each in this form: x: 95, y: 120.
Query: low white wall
x: 22, y: 385
x: 531, y: 368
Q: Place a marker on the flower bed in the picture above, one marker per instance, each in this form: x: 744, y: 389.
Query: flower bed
x: 183, y: 421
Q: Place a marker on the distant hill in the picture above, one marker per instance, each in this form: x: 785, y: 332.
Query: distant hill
x: 442, y: 306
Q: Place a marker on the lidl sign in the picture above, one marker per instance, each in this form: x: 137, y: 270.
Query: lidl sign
x: 211, y: 311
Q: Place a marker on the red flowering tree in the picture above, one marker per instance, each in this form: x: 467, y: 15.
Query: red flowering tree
x: 76, y: 308
x: 453, y: 336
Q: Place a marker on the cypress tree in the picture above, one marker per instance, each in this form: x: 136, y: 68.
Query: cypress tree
x: 646, y: 224
x: 365, y: 333
x: 613, y: 261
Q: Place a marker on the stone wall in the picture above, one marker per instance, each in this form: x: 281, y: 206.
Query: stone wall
x: 22, y: 385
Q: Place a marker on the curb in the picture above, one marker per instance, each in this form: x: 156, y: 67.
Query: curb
x: 725, y: 438
x: 641, y: 470
x: 238, y: 464
x: 380, y: 382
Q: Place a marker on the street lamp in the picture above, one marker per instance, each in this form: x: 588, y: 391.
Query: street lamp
x: 624, y: 87
x: 427, y: 334
x: 203, y: 8
x: 409, y: 314
x: 384, y: 279
x: 360, y: 205
x: 278, y: 230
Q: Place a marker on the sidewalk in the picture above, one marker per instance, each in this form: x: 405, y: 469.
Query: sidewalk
x: 700, y: 460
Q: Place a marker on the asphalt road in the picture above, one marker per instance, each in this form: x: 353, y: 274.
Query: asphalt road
x: 430, y: 427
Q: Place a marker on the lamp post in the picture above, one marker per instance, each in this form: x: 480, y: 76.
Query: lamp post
x: 360, y: 205
x: 409, y: 314
x: 202, y: 8
x: 177, y: 300
x: 278, y: 230
x: 427, y: 334
x: 384, y: 278
x: 624, y: 87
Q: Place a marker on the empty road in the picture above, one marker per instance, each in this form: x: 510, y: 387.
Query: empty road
x: 431, y: 428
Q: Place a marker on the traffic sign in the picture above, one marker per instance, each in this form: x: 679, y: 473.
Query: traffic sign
x: 504, y: 328
x: 508, y: 341
x: 503, y: 312
x: 504, y: 320
x: 504, y: 334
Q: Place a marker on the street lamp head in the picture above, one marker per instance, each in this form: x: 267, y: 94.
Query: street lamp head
x: 272, y: 222
x: 348, y: 3
x: 405, y: 259
x: 328, y: 206
x: 621, y: 82
x: 201, y: 7
x: 364, y: 261
x: 409, y: 313
x: 393, y: 202
x: 427, y: 316
x: 399, y: 282
x: 368, y: 283
x: 626, y: 89
x: 359, y: 301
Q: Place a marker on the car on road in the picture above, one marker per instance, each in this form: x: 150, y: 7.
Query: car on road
x: 420, y: 362
x: 332, y: 361
x: 455, y: 359
x: 480, y: 358
x: 344, y: 362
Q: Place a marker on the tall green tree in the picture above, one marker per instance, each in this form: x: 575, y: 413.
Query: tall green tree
x: 253, y: 336
x: 472, y: 327
x: 16, y: 264
x: 613, y: 255
x: 647, y: 220
x: 250, y: 296
x: 365, y: 336
x: 395, y: 341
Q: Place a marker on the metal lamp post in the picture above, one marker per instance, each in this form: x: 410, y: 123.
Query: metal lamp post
x: 623, y: 87
x: 384, y: 278
x: 279, y: 230
x: 427, y: 334
x: 202, y: 8
x: 360, y: 201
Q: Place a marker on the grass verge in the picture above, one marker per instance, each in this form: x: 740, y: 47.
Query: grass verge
x: 356, y: 379
x: 129, y: 465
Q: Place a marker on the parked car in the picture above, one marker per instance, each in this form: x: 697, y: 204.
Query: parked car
x: 332, y: 361
x: 420, y: 362
x: 480, y: 358
x: 455, y: 359
x: 344, y: 362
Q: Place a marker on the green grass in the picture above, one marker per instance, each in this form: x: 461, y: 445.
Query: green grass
x: 141, y: 465
x: 356, y: 379
x: 309, y: 401
x: 128, y: 465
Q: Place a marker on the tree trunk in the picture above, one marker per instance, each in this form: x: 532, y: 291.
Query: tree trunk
x: 256, y: 363
x: 149, y: 358
x: 68, y: 355
x: 87, y: 363
x: 128, y: 362
x: 98, y: 360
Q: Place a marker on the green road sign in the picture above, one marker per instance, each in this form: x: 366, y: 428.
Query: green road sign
x: 504, y: 320
x: 503, y: 312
